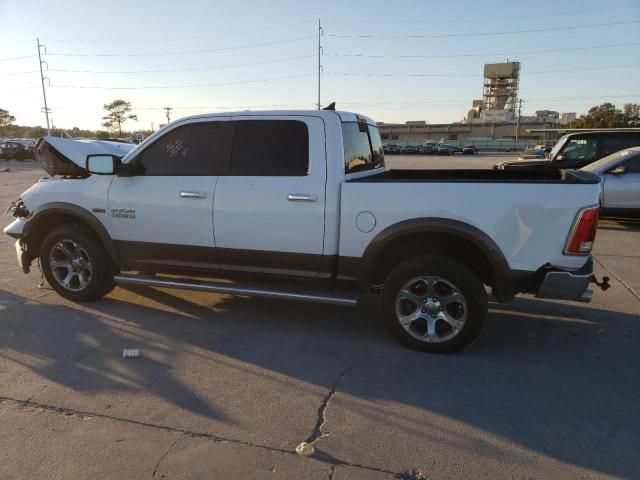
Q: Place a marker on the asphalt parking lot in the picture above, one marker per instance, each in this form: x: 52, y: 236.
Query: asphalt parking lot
x: 226, y: 387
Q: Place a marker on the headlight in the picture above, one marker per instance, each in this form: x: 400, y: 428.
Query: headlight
x: 17, y: 209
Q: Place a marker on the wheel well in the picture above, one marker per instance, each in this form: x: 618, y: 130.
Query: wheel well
x: 420, y: 243
x: 48, y: 222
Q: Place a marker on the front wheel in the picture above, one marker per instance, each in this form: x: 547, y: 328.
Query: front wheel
x: 76, y: 264
x: 434, y: 303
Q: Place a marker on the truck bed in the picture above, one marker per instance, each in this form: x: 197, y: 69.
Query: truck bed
x: 483, y: 176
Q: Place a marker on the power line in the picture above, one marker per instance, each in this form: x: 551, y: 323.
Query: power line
x: 349, y: 55
x: 442, y: 21
x: 184, y: 37
x: 466, y: 100
x: 197, y: 69
x: 16, y: 58
x: 420, y: 75
x: 149, y: 87
x: 481, y: 34
x: 182, y: 52
x: 524, y: 52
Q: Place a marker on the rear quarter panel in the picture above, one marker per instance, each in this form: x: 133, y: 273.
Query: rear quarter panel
x: 530, y: 222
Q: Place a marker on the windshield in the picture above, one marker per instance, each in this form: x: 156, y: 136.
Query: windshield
x: 556, y: 148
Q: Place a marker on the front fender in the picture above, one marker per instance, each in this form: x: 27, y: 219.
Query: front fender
x: 34, y: 227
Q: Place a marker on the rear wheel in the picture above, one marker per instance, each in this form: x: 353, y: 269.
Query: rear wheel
x: 434, y: 304
x: 76, y: 264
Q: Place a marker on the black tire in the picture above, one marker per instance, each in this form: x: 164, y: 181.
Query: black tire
x: 89, y: 249
x: 468, y: 314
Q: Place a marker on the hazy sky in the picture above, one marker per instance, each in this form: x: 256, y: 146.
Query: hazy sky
x: 393, y: 60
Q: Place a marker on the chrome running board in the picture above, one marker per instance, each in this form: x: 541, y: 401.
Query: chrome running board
x: 202, y: 286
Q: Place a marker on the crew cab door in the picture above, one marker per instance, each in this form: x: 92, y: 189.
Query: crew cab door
x: 162, y: 215
x: 269, y: 209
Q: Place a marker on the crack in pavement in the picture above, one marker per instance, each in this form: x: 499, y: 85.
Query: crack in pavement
x: 207, y: 436
x: 162, y: 457
x: 318, y: 430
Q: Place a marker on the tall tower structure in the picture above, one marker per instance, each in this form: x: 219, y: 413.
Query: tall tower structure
x: 501, y: 86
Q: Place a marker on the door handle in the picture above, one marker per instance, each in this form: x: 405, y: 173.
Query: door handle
x: 193, y: 195
x: 302, y: 197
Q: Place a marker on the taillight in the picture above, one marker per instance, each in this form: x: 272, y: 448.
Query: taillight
x: 583, y: 233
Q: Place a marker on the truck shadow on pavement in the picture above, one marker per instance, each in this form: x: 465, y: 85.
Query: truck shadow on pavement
x: 82, y: 351
x: 546, y: 379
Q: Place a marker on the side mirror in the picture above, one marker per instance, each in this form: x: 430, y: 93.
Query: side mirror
x: 559, y: 158
x: 101, y: 164
x: 619, y: 170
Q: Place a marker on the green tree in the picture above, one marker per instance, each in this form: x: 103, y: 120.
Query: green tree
x: 6, y: 119
x: 608, y: 116
x: 631, y: 114
x: 118, y: 112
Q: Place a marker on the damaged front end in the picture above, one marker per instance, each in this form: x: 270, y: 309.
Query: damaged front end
x: 15, y: 229
x: 67, y: 157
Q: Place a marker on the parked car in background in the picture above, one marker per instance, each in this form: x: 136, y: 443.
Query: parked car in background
x: 410, y: 149
x: 575, y: 150
x: 428, y: 148
x: 30, y: 147
x: 13, y: 150
x: 469, y: 150
x: 457, y: 149
x: 445, y: 149
x: 620, y: 174
x: 391, y: 148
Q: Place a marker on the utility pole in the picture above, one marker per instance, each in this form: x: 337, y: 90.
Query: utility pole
x: 42, y: 77
x: 151, y: 127
x: 319, y: 64
x: 518, y: 121
x: 168, y: 110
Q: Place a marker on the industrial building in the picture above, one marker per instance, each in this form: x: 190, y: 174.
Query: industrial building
x: 495, y: 120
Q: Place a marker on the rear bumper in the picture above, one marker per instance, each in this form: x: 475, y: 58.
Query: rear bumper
x: 567, y: 285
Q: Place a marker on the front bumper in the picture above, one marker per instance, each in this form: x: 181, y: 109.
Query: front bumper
x: 15, y: 228
x: 567, y: 285
x: 23, y: 257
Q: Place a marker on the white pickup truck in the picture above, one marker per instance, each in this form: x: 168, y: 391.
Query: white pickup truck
x: 299, y: 205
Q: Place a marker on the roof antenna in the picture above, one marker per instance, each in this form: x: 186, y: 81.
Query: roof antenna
x: 331, y: 106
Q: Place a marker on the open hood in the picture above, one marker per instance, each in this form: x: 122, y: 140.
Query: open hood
x: 65, y: 156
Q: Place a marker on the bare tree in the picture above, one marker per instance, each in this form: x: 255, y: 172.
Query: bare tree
x: 118, y: 112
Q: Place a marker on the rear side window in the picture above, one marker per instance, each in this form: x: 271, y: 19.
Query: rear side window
x: 270, y: 148
x: 191, y: 150
x: 615, y: 143
x: 362, y: 147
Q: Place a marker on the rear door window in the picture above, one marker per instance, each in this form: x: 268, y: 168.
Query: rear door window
x: 270, y: 148
x: 613, y: 144
x: 362, y: 147
x: 190, y: 150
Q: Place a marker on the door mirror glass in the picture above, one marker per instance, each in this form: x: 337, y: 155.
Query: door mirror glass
x: 101, y: 164
x: 619, y: 170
